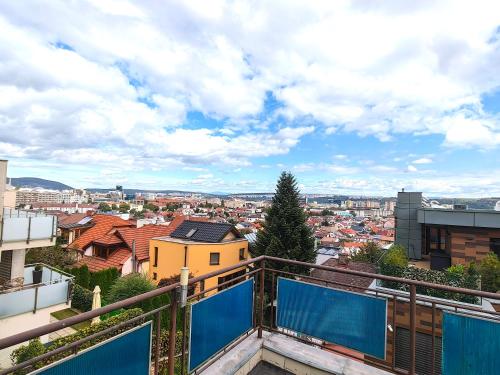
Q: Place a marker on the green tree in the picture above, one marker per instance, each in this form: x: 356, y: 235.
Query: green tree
x: 370, y: 252
x: 104, y: 207
x: 54, y: 256
x: 285, y: 233
x: 124, y: 208
x: 114, y: 207
x: 151, y: 207
x: 489, y: 268
x: 396, y: 256
x: 129, y: 286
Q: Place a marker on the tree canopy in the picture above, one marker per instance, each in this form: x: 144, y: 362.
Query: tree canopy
x: 285, y: 233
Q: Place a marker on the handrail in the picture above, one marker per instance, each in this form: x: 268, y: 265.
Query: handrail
x: 446, y: 288
x: 50, y: 268
x: 51, y: 327
x: 55, y: 326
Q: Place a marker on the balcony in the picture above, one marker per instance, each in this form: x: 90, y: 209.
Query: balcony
x: 292, y: 321
x: 54, y: 289
x: 22, y: 229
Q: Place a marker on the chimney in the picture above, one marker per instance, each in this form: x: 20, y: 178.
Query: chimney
x: 3, y: 178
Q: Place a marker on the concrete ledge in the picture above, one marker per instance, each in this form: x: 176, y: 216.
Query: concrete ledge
x: 311, y: 358
x: 241, y: 359
x: 288, y: 354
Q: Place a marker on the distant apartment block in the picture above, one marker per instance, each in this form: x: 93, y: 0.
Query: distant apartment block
x: 28, y: 196
x: 445, y: 236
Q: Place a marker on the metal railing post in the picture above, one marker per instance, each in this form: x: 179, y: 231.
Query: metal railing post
x: 29, y: 230
x: 157, y: 343
x: 184, y: 330
x: 36, y: 300
x: 1, y: 230
x: 172, y: 336
x: 261, y: 298
x: 413, y: 324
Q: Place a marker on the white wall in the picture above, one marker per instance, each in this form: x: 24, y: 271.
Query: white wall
x: 127, y: 267
x: 23, y: 322
x: 18, y: 257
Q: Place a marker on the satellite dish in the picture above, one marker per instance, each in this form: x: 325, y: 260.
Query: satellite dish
x: 497, y: 206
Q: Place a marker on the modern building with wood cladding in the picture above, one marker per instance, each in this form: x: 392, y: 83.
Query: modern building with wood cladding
x: 203, y: 247
x: 445, y: 236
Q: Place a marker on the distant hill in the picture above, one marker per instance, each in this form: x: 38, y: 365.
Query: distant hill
x: 33, y: 182
x: 132, y: 192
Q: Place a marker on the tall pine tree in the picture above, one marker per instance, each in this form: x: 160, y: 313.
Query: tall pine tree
x: 285, y: 233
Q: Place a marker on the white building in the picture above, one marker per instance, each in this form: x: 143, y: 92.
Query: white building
x: 25, y: 302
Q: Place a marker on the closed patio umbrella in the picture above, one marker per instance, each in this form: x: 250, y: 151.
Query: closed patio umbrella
x: 96, y: 303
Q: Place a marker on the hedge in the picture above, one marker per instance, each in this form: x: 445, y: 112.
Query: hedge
x: 89, y: 280
x: 457, y: 276
x: 35, y: 348
x: 82, y: 298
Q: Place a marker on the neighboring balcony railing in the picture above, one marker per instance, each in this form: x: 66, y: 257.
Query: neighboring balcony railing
x: 54, y: 289
x: 287, y: 303
x: 23, y: 225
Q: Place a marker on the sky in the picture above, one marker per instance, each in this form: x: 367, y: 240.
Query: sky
x: 353, y: 97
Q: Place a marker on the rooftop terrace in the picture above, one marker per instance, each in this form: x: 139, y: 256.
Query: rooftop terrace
x: 300, y: 324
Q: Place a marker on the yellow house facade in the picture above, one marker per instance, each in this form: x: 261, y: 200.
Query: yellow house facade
x: 203, y: 247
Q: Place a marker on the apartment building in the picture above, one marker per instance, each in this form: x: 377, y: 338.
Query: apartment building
x: 445, y: 236
x: 203, y: 247
x: 28, y: 293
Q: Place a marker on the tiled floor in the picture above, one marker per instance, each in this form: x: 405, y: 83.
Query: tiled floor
x: 264, y: 368
x: 61, y: 333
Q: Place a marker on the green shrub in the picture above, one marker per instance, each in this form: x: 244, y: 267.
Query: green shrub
x: 129, y: 286
x: 89, y: 280
x: 82, y: 298
x: 36, y: 348
x: 395, y: 256
x: 26, y: 352
x: 370, y: 252
x: 457, y: 276
x: 489, y: 269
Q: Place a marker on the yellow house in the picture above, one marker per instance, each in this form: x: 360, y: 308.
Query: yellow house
x: 203, y: 247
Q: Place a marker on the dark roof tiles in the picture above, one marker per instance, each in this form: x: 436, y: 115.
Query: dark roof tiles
x: 203, y: 231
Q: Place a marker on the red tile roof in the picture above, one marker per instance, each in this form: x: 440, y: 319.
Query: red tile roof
x: 109, y: 239
x: 70, y: 218
x: 142, y: 236
x: 116, y: 260
x: 103, y: 224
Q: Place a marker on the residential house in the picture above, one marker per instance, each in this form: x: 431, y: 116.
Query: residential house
x: 202, y: 247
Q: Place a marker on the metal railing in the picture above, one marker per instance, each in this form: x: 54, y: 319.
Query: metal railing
x: 25, y: 225
x: 265, y: 270
x: 54, y: 288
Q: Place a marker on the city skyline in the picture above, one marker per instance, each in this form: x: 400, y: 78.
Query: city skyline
x: 223, y: 96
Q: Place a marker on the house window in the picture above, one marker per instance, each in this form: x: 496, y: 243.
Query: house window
x: 156, y: 257
x: 155, y: 276
x: 495, y: 245
x: 101, y: 252
x: 214, y: 259
x: 242, y: 254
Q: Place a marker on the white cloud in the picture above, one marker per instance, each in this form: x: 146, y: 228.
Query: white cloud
x: 75, y: 81
x: 423, y: 161
x: 412, y: 168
